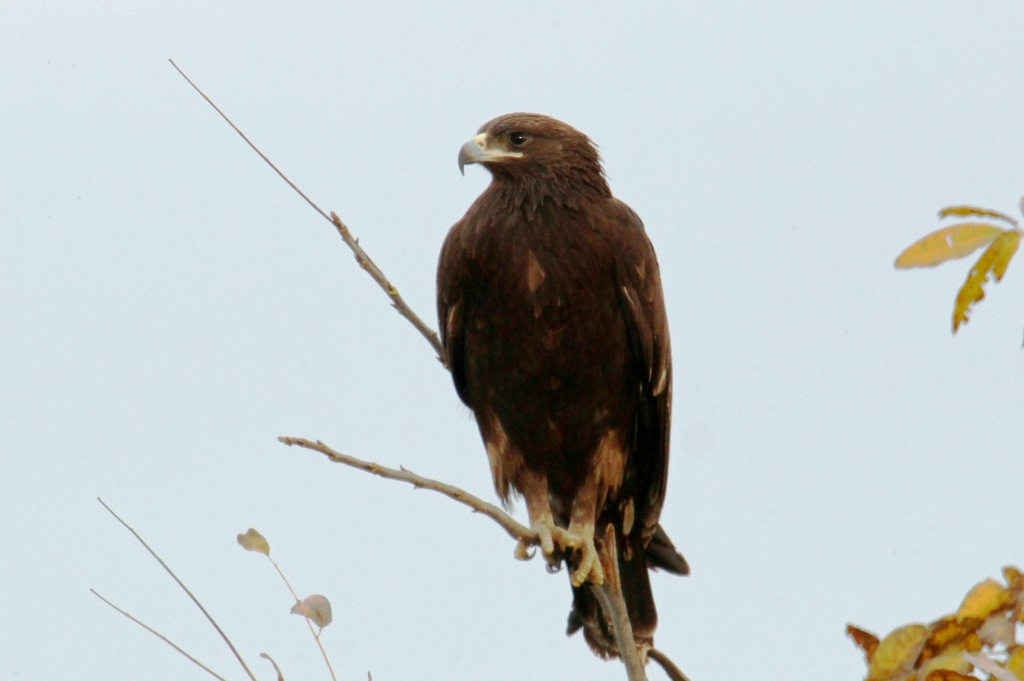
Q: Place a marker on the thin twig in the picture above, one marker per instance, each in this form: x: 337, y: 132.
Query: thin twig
x: 286, y: 582
x: 159, y: 635
x: 184, y: 588
x: 280, y: 676
x: 361, y: 256
x: 316, y: 636
x: 249, y: 142
x: 674, y: 672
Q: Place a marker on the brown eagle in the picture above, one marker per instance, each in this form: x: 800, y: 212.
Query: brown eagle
x: 553, y: 323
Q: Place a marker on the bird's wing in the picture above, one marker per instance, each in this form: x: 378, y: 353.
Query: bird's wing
x: 643, y: 309
x: 451, y: 275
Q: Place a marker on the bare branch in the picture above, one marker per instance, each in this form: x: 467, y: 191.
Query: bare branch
x: 514, y: 529
x: 609, y: 595
x: 397, y: 301
x: 184, y: 588
x: 611, y: 601
x: 160, y: 636
x: 615, y: 608
x: 361, y: 256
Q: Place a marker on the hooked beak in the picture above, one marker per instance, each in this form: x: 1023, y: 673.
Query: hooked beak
x: 477, y: 151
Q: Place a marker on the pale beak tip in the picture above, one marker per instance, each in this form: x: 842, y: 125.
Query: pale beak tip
x: 471, y: 152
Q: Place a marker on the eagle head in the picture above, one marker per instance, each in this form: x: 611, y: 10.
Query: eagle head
x: 530, y: 147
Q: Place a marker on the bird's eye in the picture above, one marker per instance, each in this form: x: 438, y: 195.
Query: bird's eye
x: 517, y: 139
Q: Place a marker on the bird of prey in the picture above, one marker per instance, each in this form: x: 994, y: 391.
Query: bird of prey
x: 553, y: 324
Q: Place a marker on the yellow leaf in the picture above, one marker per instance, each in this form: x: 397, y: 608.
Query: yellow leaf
x: 995, y: 259
x: 1015, y: 663
x: 948, y: 243
x: 1015, y: 583
x: 951, y: 660
x: 984, y: 599
x: 949, y: 675
x: 972, y: 643
x: 254, y: 541
x: 974, y: 211
x: 317, y: 608
x: 944, y: 633
x: 1014, y: 578
x: 897, y: 653
x: 865, y: 640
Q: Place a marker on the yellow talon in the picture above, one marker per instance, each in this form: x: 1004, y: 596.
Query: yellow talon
x: 589, y: 568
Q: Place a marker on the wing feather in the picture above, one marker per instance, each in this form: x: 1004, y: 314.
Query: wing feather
x: 643, y: 309
x: 451, y: 278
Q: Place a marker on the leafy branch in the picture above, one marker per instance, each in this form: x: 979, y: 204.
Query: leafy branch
x: 981, y: 635
x: 315, y: 609
x: 962, y: 239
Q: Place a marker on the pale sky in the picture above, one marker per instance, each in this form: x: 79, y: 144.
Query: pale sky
x: 170, y: 307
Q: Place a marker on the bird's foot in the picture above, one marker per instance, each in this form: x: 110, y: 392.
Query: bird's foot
x: 545, y: 530
x: 588, y: 569
x: 557, y: 542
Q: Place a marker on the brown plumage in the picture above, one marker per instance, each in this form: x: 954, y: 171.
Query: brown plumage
x: 553, y: 323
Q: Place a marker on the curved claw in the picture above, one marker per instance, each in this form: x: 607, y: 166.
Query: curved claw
x: 550, y: 537
x: 523, y: 551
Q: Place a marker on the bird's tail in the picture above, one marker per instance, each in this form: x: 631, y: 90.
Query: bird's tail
x: 634, y: 560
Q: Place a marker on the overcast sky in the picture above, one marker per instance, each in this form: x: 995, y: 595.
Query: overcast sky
x: 170, y: 307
